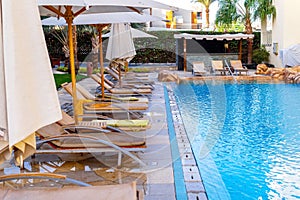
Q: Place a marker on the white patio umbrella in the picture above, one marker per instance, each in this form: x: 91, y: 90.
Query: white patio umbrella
x: 100, y: 20
x: 120, y: 44
x: 28, y: 97
x: 69, y: 9
x: 103, y: 18
x: 135, y: 34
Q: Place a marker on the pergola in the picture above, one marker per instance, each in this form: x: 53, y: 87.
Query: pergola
x: 227, y: 37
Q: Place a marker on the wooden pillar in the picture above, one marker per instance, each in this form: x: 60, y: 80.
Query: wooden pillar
x: 184, y: 55
x: 240, y: 49
x: 69, y: 19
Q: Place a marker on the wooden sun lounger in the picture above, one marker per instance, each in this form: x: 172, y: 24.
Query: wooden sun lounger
x: 106, y: 107
x: 218, y: 66
x: 198, y: 68
x: 124, y: 84
x: 123, y: 91
x: 87, y: 95
x: 121, y: 191
x: 238, y: 67
x: 122, y: 125
x: 132, y: 80
x: 93, y: 142
x: 81, y: 191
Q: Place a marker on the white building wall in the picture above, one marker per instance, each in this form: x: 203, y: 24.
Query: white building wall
x: 286, y: 27
x: 160, y: 13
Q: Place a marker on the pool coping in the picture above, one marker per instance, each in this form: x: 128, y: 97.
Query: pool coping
x: 187, y: 179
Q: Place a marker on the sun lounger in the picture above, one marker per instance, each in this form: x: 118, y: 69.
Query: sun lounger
x: 123, y: 91
x: 199, y: 68
x: 106, y: 107
x: 217, y: 66
x: 238, y: 67
x: 87, y: 95
x: 137, y: 80
x: 42, y: 186
x: 122, y: 125
x: 62, y: 142
x: 124, y: 84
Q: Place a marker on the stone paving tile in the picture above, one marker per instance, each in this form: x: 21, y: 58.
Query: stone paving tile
x: 161, y: 197
x: 161, y: 189
x: 192, y: 177
x: 194, y: 187
x: 161, y: 175
x: 197, y: 196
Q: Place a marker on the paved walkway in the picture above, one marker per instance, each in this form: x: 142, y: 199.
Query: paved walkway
x: 157, y: 156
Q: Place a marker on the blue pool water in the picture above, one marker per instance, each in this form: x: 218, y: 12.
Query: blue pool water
x: 245, y: 137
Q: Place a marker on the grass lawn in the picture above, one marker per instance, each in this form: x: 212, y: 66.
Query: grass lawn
x: 62, y: 78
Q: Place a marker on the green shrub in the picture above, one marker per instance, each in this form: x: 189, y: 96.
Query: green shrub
x: 62, y: 78
x: 62, y: 69
x: 260, y: 55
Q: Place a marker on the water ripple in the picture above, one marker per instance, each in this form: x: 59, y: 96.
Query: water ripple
x: 254, y: 129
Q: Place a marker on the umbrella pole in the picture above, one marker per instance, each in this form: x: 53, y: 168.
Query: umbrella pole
x: 69, y: 19
x: 100, y: 27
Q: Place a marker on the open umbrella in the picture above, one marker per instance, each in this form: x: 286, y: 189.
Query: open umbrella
x: 103, y: 18
x: 28, y: 97
x: 135, y: 34
x: 72, y: 8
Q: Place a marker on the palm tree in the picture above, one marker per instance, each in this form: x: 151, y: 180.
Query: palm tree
x: 206, y: 3
x: 245, y: 12
x: 264, y: 9
x: 231, y: 11
x: 227, y: 14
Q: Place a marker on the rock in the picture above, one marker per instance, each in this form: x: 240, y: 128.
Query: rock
x: 167, y: 76
x: 261, y: 68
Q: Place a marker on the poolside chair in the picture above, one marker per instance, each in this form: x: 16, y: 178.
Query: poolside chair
x: 238, y: 67
x: 123, y: 91
x: 105, y: 106
x: 87, y: 95
x: 135, y: 79
x: 121, y: 125
x: 198, y: 68
x: 60, y: 141
x: 124, y: 84
x: 114, y: 65
x: 47, y: 186
x: 217, y: 66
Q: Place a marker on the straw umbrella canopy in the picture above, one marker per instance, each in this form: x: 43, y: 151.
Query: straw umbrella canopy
x: 72, y: 8
x: 28, y: 97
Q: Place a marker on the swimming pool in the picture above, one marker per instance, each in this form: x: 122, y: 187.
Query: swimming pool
x: 245, y: 137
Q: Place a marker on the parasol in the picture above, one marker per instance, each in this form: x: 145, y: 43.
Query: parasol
x: 69, y: 9
x: 28, y: 97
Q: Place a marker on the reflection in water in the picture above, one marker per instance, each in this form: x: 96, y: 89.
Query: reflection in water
x: 257, y: 152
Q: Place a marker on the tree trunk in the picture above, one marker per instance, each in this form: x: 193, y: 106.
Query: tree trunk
x: 95, y: 53
x: 249, y: 41
x: 264, y: 33
x: 207, y: 17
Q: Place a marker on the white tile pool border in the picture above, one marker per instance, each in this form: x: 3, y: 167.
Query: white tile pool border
x: 193, y: 182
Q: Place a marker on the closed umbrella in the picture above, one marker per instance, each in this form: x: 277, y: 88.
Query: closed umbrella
x: 69, y: 9
x: 28, y: 97
x: 120, y: 44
